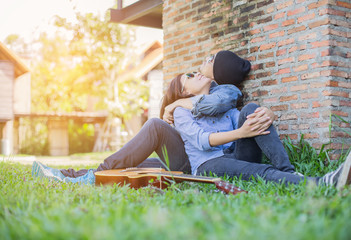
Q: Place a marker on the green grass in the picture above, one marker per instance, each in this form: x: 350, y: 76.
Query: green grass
x: 31, y: 208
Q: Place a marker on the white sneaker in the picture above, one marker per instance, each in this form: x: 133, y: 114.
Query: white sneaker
x: 345, y: 175
x: 340, y: 177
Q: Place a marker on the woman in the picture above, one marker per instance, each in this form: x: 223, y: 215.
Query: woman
x: 232, y: 143
x: 156, y: 134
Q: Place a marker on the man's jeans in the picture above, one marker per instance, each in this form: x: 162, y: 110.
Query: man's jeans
x: 155, y: 135
x: 249, y: 151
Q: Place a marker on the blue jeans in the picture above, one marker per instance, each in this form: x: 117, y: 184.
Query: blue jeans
x: 249, y: 151
x: 153, y: 136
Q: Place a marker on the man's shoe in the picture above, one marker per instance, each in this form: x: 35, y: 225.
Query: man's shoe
x: 340, y: 177
x: 345, y: 175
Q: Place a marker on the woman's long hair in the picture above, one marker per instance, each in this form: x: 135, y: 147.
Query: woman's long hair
x: 173, y: 93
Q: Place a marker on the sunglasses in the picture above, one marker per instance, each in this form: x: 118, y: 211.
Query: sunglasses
x: 188, y: 75
x: 210, y: 58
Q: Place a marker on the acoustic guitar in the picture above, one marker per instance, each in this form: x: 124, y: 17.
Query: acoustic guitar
x: 157, y: 177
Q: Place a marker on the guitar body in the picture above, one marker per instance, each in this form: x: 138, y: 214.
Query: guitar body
x: 135, y: 177
x: 157, y: 177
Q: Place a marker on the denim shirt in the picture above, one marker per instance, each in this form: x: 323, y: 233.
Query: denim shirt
x: 221, y: 99
x: 195, y: 133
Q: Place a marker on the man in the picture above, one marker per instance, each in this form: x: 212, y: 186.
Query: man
x: 156, y: 134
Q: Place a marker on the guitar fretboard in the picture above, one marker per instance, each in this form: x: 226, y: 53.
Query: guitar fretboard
x: 187, y: 177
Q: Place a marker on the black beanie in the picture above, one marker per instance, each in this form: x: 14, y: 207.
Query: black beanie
x: 229, y: 68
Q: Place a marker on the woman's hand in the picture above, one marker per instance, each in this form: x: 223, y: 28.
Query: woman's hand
x: 261, y: 119
x: 168, y: 114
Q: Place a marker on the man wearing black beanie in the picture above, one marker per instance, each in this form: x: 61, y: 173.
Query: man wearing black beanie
x: 226, y: 68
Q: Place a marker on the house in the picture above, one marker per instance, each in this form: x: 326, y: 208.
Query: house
x: 14, y: 96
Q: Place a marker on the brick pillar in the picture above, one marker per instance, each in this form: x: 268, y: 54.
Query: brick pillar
x: 300, y: 52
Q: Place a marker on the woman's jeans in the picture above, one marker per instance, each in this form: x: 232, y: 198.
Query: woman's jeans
x: 249, y: 151
x: 155, y: 135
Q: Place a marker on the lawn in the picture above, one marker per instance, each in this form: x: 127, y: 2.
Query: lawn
x: 32, y: 208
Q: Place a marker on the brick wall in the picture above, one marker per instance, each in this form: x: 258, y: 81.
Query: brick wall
x: 300, y: 52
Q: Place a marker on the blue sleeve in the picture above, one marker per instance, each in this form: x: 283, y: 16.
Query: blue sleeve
x: 189, y: 130
x: 221, y: 99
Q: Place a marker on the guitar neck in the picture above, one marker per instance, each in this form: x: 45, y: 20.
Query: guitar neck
x: 188, y: 177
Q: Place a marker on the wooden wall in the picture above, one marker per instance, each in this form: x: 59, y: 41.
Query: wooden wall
x: 6, y: 90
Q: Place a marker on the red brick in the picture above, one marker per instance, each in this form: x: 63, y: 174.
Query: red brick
x: 343, y: 4
x: 269, y: 64
x: 270, y: 27
x: 296, y: 11
x: 309, y: 95
x: 316, y: 104
x: 283, y: 71
x: 288, y: 98
x: 319, y: 23
x: 300, y: 127
x: 269, y: 82
x: 289, y: 79
x: 253, y: 49
x: 286, y: 60
x: 345, y: 103
x: 280, y: 108
x: 286, y: 42
x: 306, y: 57
x: 345, y: 84
x: 299, y: 105
x: 258, y: 39
x: 288, y: 117
x: 310, y: 115
x: 317, y: 4
x: 305, y: 18
x: 283, y: 126
x: 266, y: 55
x: 267, y: 46
x: 254, y: 31
x: 279, y: 15
x: 293, y: 49
x: 288, y: 22
x: 330, y: 11
x: 322, y: 125
x: 308, y: 36
x: 277, y: 34
x: 335, y: 93
x: 340, y: 113
x: 320, y: 44
x: 281, y: 52
x: 297, y: 29
x: 334, y: 73
x: 298, y: 88
x: 311, y: 135
x: 270, y: 100
x: 279, y: 90
x: 259, y: 93
x: 284, y: 5
x: 331, y: 83
x: 310, y: 75
x: 291, y: 136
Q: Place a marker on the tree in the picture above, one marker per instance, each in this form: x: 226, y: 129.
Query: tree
x: 83, y: 59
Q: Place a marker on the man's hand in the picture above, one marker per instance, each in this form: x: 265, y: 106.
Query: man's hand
x: 247, y: 130
x: 261, y: 119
